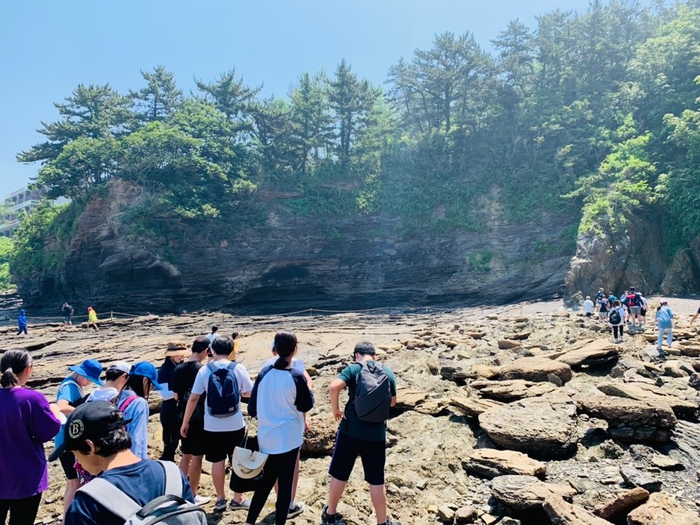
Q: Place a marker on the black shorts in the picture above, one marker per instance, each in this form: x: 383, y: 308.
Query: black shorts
x: 372, y: 454
x: 67, y: 460
x: 196, y: 441
x: 220, y: 445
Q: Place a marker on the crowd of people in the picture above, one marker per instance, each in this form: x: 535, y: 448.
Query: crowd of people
x: 67, y: 311
x: 101, y: 437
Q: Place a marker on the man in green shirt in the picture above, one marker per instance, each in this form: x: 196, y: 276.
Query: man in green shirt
x: 357, y: 437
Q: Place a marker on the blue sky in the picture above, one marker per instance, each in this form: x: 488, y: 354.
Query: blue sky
x: 48, y: 47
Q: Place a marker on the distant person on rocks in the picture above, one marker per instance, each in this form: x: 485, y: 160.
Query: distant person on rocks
x: 361, y: 435
x: 603, y: 307
x: 616, y: 317
x: 174, y: 354
x: 633, y: 302
x: 611, y: 298
x: 280, y: 398
x: 692, y: 321
x: 643, y: 310
x: 143, y: 378
x: 236, y: 346
x: 22, y: 322
x: 599, y: 295
x: 223, y: 417
x: 664, y: 320
x: 194, y: 444
x: 27, y: 421
x: 213, y: 335
x: 70, y: 394
x: 95, y: 433
x: 92, y: 319
x: 588, y: 306
x: 68, y: 311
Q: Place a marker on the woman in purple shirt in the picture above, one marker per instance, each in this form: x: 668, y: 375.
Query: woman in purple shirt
x: 27, y: 421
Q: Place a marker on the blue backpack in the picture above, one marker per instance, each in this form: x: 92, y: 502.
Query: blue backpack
x: 223, y: 394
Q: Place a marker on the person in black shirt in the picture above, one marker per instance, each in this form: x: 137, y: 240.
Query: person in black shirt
x: 176, y: 351
x: 193, y: 444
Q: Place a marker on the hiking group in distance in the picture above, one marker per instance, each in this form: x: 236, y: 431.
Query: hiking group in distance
x: 101, y: 438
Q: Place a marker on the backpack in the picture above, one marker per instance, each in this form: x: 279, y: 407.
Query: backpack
x: 615, y: 317
x: 169, y: 509
x: 223, y: 394
x: 372, y: 393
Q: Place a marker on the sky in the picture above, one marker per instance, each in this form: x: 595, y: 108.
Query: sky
x: 49, y: 47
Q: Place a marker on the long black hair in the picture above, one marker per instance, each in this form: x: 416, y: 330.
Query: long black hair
x: 13, y: 363
x: 135, y: 383
x: 285, y: 344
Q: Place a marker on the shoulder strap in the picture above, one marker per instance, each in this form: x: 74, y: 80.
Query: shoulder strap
x: 111, y: 498
x: 125, y: 404
x: 232, y: 366
x: 212, y: 367
x: 173, y: 480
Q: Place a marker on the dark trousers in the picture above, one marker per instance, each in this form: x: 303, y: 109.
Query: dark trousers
x: 622, y: 330
x: 22, y: 511
x: 280, y: 468
x: 171, y: 429
x: 22, y: 329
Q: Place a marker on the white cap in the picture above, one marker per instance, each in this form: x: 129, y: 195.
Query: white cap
x: 121, y: 365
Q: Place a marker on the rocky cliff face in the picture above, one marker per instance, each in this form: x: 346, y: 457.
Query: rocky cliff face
x: 292, y: 263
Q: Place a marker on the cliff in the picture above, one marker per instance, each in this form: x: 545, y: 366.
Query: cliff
x: 286, y: 263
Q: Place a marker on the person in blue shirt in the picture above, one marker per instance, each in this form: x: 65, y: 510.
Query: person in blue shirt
x: 95, y: 433
x: 22, y: 322
x: 133, y: 400
x: 664, y: 320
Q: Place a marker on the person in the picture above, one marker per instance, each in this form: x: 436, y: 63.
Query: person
x: 96, y: 434
x: 643, y: 310
x: 617, y: 321
x: 213, y: 335
x: 22, y: 322
x: 236, y: 344
x: 193, y: 445
x: 115, y: 381
x: 695, y: 317
x: 67, y: 314
x: 280, y: 398
x: 295, y: 507
x: 222, y: 433
x: 633, y: 301
x: 174, y: 353
x: 27, y: 421
x: 664, y: 320
x: 92, y: 319
x: 133, y: 401
x: 599, y: 295
x: 588, y: 306
x: 356, y: 437
x: 70, y: 393
x: 603, y: 307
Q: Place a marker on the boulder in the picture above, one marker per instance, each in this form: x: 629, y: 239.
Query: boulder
x: 662, y: 509
x: 543, y: 427
x: 484, y: 371
x: 511, y: 390
x: 594, y: 353
x: 560, y: 512
x: 630, y: 420
x: 536, y: 369
x: 622, y: 504
x: 519, y: 336
x: 526, y: 492
x: 466, y: 514
x: 507, y: 344
x: 453, y: 373
x: 682, y: 408
x: 490, y: 463
x: 636, y: 478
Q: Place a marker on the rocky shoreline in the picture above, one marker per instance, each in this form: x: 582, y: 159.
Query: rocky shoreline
x: 526, y: 414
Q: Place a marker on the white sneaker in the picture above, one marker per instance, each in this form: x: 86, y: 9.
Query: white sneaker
x: 295, y: 509
x: 201, y: 500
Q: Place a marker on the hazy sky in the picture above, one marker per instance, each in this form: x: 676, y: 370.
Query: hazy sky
x: 48, y: 47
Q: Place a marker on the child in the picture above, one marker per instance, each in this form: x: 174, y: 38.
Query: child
x: 22, y: 322
x: 92, y: 319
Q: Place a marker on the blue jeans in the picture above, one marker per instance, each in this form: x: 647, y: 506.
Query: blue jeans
x: 669, y: 335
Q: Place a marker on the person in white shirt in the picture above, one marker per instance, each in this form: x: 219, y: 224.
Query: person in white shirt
x: 214, y: 334
x: 223, y: 432
x: 588, y: 306
x: 280, y: 398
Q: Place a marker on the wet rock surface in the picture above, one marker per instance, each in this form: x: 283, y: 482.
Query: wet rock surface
x: 440, y: 425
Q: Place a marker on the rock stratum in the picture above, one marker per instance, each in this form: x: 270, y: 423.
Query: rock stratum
x: 559, y: 427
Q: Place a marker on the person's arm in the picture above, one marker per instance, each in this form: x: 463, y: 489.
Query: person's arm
x: 305, y: 398
x: 44, y: 424
x: 189, y: 410
x: 337, y: 385
x: 137, y: 411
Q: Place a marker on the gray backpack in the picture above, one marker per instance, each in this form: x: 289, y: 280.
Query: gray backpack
x: 372, y: 393
x: 169, y: 509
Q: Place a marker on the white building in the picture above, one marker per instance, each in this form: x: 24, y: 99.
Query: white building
x: 21, y: 202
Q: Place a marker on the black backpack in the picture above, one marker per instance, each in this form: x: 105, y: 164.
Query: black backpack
x: 223, y: 394
x: 372, y: 393
x: 615, y: 317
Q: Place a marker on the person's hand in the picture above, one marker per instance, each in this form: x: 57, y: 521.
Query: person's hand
x: 338, y: 414
x: 183, y: 429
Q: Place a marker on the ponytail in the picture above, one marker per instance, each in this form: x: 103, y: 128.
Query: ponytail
x: 13, y: 363
x: 285, y: 345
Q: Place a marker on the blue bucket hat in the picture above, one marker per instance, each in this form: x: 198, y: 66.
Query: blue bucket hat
x: 91, y: 368
x: 146, y: 370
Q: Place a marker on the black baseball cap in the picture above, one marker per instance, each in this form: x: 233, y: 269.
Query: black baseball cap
x: 92, y: 420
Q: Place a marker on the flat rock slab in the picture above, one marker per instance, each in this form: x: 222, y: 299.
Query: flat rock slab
x: 682, y: 408
x: 560, y: 512
x: 543, y: 427
x: 536, y: 369
x: 526, y: 492
x: 636, y: 478
x: 622, y: 504
x: 512, y: 390
x: 591, y: 354
x: 630, y: 420
x: 662, y: 509
x: 490, y: 463
x: 472, y: 406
